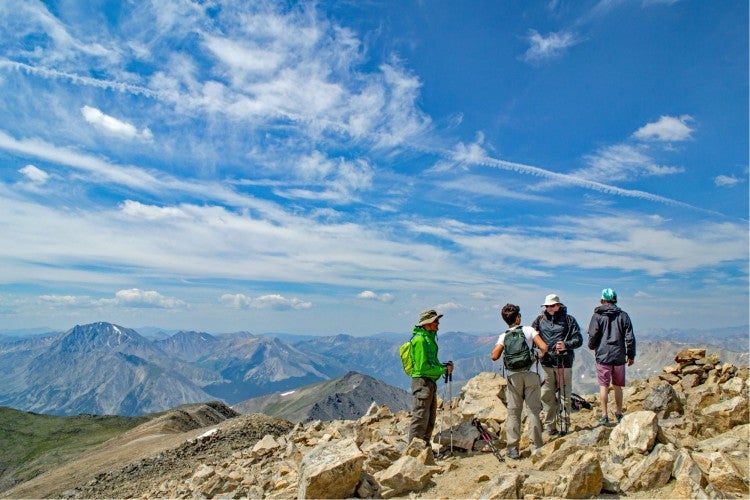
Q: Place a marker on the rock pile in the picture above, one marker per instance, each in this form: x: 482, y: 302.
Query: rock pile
x: 685, y: 429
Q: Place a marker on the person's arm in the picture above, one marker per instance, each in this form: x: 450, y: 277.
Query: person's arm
x: 595, y: 333
x: 573, y: 339
x: 629, y: 340
x: 540, y: 343
x: 497, y: 351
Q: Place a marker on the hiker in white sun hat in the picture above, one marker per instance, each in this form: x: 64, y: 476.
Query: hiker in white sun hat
x: 560, y: 331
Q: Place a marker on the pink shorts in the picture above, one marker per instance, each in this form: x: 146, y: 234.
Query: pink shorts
x: 610, y: 373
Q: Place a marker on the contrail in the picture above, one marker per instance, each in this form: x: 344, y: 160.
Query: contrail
x: 585, y: 183
x: 82, y: 80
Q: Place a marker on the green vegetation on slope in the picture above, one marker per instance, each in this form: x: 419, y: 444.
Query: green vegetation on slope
x: 31, y: 444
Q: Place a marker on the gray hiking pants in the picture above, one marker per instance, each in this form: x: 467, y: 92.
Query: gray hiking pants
x: 424, y: 408
x: 523, y: 386
x: 549, y: 402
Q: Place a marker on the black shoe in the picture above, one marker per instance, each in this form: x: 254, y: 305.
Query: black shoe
x: 604, y: 421
x: 618, y: 416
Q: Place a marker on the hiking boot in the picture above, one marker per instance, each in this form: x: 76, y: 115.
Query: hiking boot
x: 513, y: 453
x: 618, y: 416
x: 604, y: 420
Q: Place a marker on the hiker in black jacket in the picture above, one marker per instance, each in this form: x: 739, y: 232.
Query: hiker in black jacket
x: 560, y: 331
x: 611, y: 337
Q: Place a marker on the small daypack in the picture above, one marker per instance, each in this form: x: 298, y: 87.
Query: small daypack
x: 405, y: 353
x: 516, y: 354
x: 578, y: 403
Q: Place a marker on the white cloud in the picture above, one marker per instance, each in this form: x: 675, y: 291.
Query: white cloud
x: 370, y: 295
x: 666, y: 129
x: 271, y: 301
x: 553, y: 45
x: 134, y: 297
x: 112, y: 125
x: 726, y: 180
x: 34, y: 174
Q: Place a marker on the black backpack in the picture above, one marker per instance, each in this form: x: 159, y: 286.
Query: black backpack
x: 516, y: 354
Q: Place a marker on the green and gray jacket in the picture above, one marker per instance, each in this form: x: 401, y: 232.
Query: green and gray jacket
x: 424, y: 350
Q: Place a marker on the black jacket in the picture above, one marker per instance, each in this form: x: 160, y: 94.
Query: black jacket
x: 611, y: 335
x: 553, y: 328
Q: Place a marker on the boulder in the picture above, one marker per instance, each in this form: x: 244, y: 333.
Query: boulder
x: 725, y: 415
x: 502, y: 486
x: 409, y: 473
x: 636, y: 433
x: 653, y: 472
x: 331, y: 470
x: 663, y: 400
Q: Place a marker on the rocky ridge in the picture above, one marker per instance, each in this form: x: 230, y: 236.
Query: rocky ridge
x: 685, y: 434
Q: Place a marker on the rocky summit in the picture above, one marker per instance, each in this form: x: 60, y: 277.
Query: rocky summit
x: 685, y: 434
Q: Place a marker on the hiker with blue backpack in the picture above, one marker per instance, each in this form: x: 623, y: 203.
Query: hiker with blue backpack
x: 560, y: 331
x: 523, y: 385
x: 425, y: 370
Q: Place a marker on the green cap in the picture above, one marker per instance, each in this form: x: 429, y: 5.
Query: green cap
x: 609, y: 295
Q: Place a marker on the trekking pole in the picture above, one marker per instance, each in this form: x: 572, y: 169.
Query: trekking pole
x: 450, y: 408
x: 562, y: 408
x: 487, y: 438
x: 442, y: 418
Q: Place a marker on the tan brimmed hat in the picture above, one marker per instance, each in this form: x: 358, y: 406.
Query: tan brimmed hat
x: 428, y: 316
x: 551, y: 300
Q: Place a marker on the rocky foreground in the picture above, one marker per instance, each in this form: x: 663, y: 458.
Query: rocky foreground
x: 685, y: 434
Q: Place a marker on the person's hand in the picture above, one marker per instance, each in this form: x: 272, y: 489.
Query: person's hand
x: 560, y: 346
x: 630, y: 361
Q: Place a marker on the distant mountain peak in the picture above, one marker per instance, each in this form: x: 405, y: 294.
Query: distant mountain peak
x: 99, y: 335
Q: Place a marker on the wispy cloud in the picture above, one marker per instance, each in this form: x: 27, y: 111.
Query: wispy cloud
x: 726, y: 180
x: 542, y: 48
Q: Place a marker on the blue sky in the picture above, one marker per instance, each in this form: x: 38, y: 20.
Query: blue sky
x: 336, y: 167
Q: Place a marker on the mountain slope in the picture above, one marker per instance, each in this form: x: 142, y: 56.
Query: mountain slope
x: 104, y: 369
x: 345, y: 398
x: 33, y: 443
x: 159, y: 434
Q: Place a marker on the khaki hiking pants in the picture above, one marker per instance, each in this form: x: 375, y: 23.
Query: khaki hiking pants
x: 549, y: 402
x: 424, y: 408
x: 523, y: 387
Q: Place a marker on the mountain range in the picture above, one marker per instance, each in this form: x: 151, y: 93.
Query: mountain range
x: 102, y: 368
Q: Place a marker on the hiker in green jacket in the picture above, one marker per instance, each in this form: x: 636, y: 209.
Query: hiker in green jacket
x: 427, y: 369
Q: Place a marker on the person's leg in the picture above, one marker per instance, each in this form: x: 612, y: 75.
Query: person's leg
x: 514, y: 397
x: 604, y: 378
x: 532, y: 397
x: 618, y: 399
x: 603, y: 394
x: 432, y: 414
x: 618, y: 381
x: 420, y: 413
x: 549, y: 403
